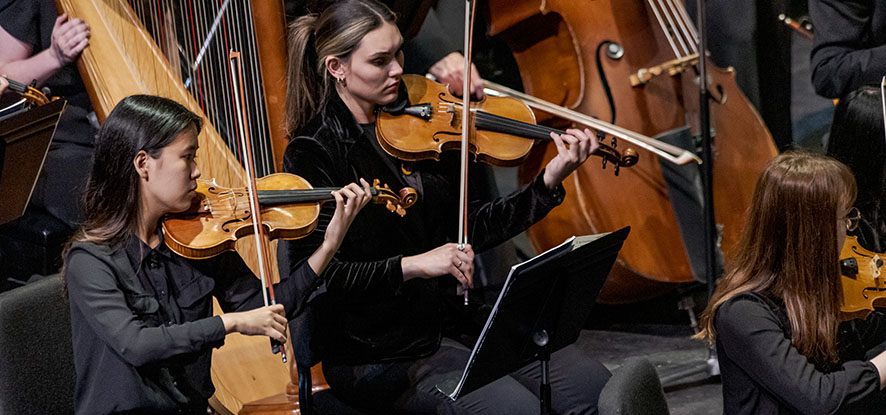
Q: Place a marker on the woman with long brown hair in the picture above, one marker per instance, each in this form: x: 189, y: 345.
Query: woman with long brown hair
x: 775, y: 314
x: 141, y: 316
x: 389, y: 322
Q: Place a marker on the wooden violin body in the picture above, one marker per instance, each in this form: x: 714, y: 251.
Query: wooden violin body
x: 862, y: 279
x: 503, y: 133
x: 290, y: 207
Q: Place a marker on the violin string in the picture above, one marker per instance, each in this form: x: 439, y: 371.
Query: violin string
x: 682, y: 24
x: 663, y: 27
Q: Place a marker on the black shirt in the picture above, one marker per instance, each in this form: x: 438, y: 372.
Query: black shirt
x: 850, y: 45
x: 763, y: 373
x: 143, y: 339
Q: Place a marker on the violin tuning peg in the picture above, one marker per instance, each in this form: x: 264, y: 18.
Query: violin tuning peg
x: 401, y: 211
x: 390, y: 206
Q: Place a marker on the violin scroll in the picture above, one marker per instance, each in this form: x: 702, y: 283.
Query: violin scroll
x: 392, y: 201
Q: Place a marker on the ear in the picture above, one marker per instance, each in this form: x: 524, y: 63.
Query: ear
x: 140, y: 162
x: 336, y: 67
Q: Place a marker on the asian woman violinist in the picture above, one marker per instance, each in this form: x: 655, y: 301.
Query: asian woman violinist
x: 389, y: 317
x: 775, y: 314
x: 141, y: 316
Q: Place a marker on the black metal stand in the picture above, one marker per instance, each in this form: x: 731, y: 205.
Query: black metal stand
x: 540, y: 338
x: 710, y: 367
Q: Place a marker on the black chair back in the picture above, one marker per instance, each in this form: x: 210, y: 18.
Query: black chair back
x: 634, y: 388
x: 37, y: 369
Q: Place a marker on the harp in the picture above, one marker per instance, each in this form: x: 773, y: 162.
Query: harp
x: 178, y: 49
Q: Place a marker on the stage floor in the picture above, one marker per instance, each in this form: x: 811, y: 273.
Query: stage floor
x: 669, y: 348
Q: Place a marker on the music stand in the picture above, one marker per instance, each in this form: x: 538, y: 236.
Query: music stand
x: 543, y: 306
x: 24, y: 143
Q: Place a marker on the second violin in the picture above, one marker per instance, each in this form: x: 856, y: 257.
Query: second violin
x: 290, y: 210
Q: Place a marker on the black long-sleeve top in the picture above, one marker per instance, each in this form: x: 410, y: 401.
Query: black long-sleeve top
x: 367, y: 313
x: 142, y: 323
x: 849, y: 47
x: 762, y: 373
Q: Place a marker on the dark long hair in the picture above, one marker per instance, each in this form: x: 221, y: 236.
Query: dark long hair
x: 337, y: 32
x: 111, y: 200
x: 788, y: 249
x: 858, y: 140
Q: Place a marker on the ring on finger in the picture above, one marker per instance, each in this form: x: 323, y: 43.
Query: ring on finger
x: 459, y: 264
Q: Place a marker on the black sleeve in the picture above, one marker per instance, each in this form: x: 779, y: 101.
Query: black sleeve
x: 308, y: 159
x: 92, y: 288
x: 843, y: 55
x: 749, y: 333
x: 22, y: 19
x: 493, y: 222
x: 239, y: 289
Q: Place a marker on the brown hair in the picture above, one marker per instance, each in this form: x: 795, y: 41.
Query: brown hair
x: 336, y: 32
x: 789, y: 249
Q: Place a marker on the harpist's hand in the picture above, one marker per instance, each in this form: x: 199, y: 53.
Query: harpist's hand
x: 69, y: 38
x: 265, y: 321
x: 573, y: 148
x: 447, y: 259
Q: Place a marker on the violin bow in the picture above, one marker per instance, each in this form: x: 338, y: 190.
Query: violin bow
x: 466, y: 120
x: 261, y: 244
x: 883, y: 100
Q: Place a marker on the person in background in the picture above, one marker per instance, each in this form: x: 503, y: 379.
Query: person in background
x: 40, y: 46
x: 849, y: 45
x: 858, y: 140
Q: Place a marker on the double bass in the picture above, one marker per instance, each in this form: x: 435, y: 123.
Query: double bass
x: 643, y: 51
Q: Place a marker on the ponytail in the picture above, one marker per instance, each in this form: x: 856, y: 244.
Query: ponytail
x: 303, y: 96
x: 312, y: 38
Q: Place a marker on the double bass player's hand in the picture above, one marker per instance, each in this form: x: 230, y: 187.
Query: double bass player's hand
x: 450, y: 71
x: 573, y: 149
x: 443, y: 260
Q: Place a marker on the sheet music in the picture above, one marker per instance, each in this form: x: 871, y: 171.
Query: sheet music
x: 567, y: 245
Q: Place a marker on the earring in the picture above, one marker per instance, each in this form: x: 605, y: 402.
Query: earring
x: 342, y: 81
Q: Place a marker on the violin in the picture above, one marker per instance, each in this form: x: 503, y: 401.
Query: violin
x: 503, y: 133
x: 33, y: 96
x: 863, y: 288
x: 290, y: 209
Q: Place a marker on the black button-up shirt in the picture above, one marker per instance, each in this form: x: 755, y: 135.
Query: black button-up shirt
x: 142, y: 323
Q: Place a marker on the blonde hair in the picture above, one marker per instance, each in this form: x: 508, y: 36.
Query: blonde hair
x: 789, y: 250
x: 336, y: 32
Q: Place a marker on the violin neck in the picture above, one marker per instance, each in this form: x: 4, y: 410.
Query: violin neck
x: 499, y: 124
x: 285, y: 197
x: 16, y: 86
